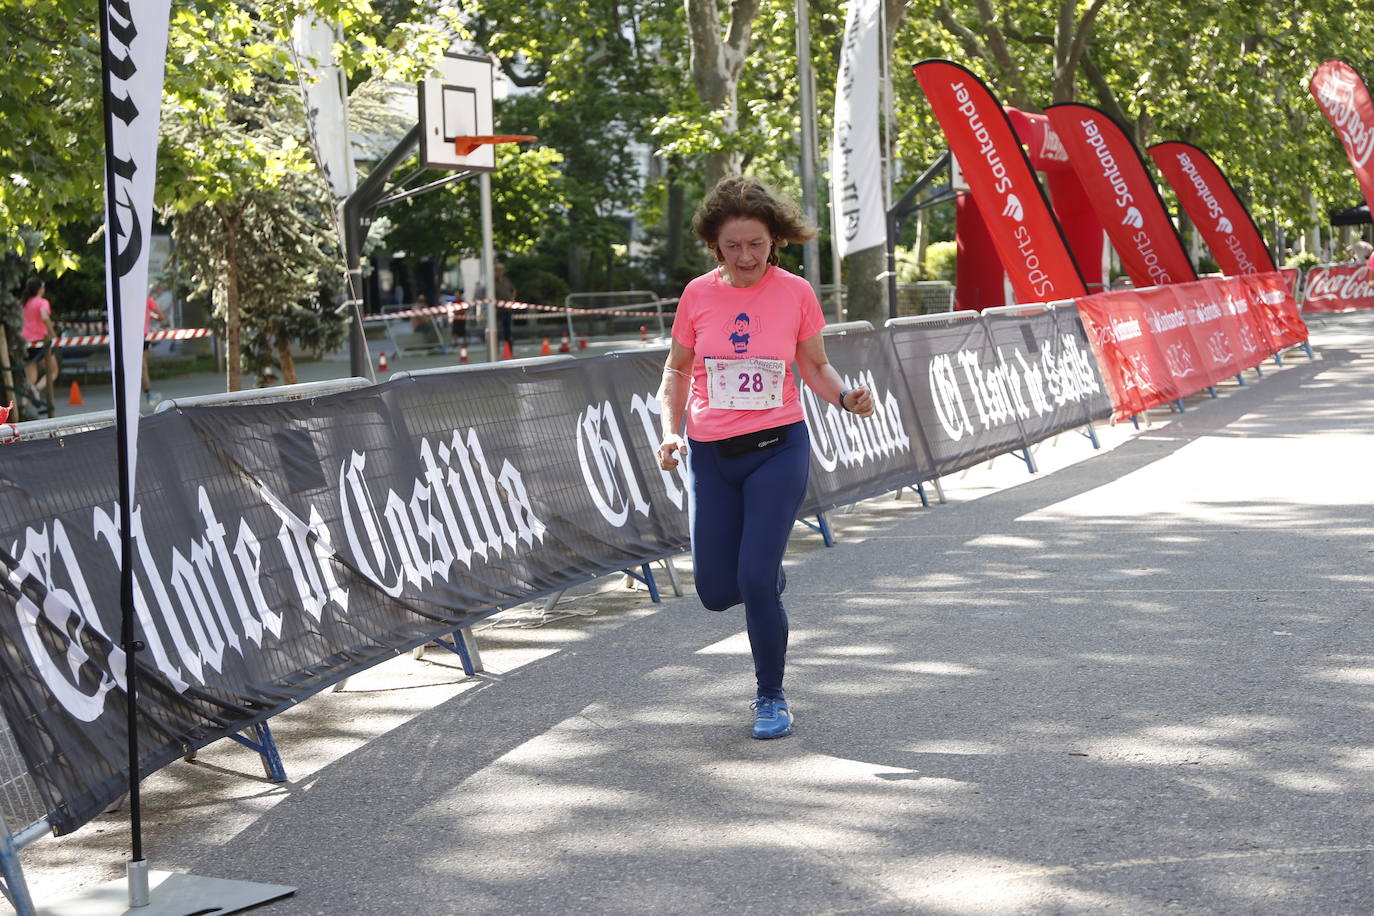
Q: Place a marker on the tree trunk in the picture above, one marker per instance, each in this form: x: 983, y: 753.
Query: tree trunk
x: 288, y: 362
x: 675, y: 216
x: 233, y: 353
x: 866, y: 298
x: 717, y: 61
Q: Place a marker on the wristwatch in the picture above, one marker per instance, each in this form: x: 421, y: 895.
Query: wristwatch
x: 844, y: 394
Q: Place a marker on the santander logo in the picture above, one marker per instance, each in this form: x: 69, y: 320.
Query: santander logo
x: 1013, y: 209
x: 1224, y: 226
x: 1133, y: 218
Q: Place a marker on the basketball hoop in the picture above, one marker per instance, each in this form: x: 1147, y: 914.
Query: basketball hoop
x: 463, y: 146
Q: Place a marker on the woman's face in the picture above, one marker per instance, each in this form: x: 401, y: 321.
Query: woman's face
x: 744, y: 245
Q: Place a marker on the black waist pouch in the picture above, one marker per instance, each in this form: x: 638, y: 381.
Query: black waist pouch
x: 752, y: 442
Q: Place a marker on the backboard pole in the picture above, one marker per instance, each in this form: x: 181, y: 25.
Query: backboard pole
x: 357, y: 215
x: 489, y: 267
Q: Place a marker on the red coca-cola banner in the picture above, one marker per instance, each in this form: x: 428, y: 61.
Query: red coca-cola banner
x: 1212, y: 205
x: 1123, y: 195
x: 1341, y: 92
x: 1018, y: 217
x: 1338, y: 288
x: 1158, y: 345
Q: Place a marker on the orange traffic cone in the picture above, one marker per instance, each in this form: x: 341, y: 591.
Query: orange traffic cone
x: 643, y: 334
x: 381, y: 361
x: 463, y: 353
x: 581, y: 340
x: 505, y: 350
x: 546, y: 349
x: 564, y: 346
x: 74, y: 396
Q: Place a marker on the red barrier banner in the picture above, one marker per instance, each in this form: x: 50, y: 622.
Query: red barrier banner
x: 1292, y: 276
x: 1212, y: 205
x: 1158, y: 345
x: 1343, y: 96
x: 1141, y: 367
x: 1226, y: 334
x: 999, y: 176
x: 1123, y: 195
x: 1278, y: 308
x: 1338, y: 288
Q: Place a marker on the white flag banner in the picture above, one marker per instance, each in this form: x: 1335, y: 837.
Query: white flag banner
x: 326, y: 106
x: 856, y: 173
x: 137, y: 48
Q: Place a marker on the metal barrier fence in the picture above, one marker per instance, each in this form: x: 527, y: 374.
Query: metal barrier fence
x: 17, y: 808
x: 23, y: 819
x: 924, y: 297
x: 598, y: 304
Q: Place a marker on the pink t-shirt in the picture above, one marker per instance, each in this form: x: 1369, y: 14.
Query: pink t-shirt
x: 33, y: 329
x: 763, y: 321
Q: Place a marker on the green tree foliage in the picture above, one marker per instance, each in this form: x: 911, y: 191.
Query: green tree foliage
x: 626, y: 129
x: 445, y: 223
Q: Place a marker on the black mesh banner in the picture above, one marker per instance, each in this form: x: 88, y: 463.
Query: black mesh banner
x: 280, y: 548
x: 853, y: 459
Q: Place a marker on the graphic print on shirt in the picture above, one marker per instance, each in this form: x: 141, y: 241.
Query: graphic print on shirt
x: 739, y: 331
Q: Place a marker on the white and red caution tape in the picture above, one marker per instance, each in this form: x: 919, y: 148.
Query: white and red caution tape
x: 513, y: 306
x: 90, y: 340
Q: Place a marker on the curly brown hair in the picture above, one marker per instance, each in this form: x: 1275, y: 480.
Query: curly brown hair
x: 740, y: 197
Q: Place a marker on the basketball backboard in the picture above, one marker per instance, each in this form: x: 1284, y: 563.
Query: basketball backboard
x: 457, y: 103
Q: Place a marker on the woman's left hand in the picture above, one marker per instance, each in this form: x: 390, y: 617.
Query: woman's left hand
x: 859, y: 401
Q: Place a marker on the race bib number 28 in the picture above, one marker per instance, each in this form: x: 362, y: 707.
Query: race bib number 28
x: 745, y: 384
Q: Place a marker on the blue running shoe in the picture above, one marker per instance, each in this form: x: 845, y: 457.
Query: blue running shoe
x: 772, y: 718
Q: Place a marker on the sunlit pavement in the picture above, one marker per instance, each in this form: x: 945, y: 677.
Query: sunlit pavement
x: 1138, y: 681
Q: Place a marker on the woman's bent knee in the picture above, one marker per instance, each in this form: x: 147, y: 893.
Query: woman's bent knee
x: 717, y: 599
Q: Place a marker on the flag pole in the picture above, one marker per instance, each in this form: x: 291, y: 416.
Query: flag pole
x: 138, y: 864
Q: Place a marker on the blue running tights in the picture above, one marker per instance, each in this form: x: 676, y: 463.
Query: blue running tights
x: 741, y: 513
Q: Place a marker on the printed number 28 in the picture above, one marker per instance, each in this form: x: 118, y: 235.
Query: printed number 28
x: 749, y: 382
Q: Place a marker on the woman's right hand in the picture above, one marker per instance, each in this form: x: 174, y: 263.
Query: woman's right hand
x: 670, y: 449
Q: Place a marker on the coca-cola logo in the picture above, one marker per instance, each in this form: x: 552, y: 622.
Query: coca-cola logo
x: 1337, y: 92
x: 1339, y: 283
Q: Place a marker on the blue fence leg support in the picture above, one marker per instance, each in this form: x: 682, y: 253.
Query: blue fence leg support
x: 1278, y: 360
x: 653, y: 585
x: 1179, y: 403
x: 823, y: 526
x: 266, y: 746
x: 1241, y: 379
x: 921, y: 492
x: 646, y: 575
x: 1025, y: 455
x: 464, y: 644
x: 1308, y: 347
x: 1259, y: 373
x: 1211, y: 389
x: 15, y: 889
x: 1092, y: 436
x: 1135, y: 421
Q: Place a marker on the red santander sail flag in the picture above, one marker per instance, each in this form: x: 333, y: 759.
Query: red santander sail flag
x: 1123, y: 195
x: 1341, y: 92
x: 999, y: 176
x: 1212, y: 205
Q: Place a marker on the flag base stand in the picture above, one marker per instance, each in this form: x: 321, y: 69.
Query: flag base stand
x: 171, y: 894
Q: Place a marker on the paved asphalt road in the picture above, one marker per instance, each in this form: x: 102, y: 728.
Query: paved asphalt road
x: 1140, y: 681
